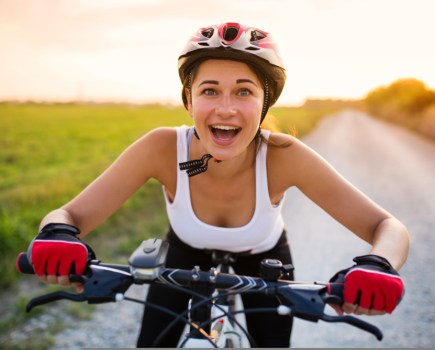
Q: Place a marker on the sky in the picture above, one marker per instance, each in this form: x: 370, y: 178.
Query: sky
x: 127, y: 50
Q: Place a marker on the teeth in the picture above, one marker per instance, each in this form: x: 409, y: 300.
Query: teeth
x: 224, y: 127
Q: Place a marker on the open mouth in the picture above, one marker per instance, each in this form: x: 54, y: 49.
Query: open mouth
x: 224, y: 132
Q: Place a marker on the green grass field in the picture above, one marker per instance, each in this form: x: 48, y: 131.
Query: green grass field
x: 48, y: 153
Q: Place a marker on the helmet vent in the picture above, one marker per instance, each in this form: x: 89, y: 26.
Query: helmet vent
x: 208, y: 33
x: 230, y: 33
x: 257, y: 35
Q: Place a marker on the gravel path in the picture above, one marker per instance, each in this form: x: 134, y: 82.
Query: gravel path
x: 393, y: 167
x: 397, y: 170
x: 114, y: 325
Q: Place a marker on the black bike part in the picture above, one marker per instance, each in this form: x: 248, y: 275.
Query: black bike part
x: 48, y: 298
x: 101, y: 285
x: 150, y: 254
x: 232, y: 282
x: 200, y: 313
x: 356, y: 322
x: 273, y: 269
x: 182, y: 316
x: 23, y: 264
x: 104, y: 282
x: 220, y: 257
x: 305, y: 301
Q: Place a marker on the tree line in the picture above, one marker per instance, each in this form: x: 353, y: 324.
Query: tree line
x: 408, y: 102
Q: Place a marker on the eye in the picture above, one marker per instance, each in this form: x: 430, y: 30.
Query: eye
x: 244, y: 92
x: 209, y: 92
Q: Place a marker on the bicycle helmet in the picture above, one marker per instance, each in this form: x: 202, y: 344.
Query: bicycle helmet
x: 238, y: 42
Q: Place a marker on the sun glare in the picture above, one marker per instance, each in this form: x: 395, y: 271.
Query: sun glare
x: 128, y: 50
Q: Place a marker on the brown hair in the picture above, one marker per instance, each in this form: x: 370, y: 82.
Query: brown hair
x: 269, y: 123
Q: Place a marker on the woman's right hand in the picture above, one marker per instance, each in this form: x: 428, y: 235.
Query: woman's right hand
x: 56, y: 252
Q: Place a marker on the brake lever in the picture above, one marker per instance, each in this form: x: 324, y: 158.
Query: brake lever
x: 309, y: 304
x: 48, y: 298
x: 333, y: 295
x: 104, y: 284
x: 356, y: 322
x: 101, y: 285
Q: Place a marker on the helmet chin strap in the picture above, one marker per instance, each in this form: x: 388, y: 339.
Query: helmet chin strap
x: 198, y: 166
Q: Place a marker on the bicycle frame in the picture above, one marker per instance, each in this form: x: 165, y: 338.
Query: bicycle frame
x: 225, y: 331
x: 230, y: 335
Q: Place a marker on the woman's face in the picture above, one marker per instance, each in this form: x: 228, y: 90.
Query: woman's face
x: 226, y: 105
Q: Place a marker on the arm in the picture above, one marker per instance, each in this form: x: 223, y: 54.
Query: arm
x: 391, y: 240
x: 300, y: 166
x: 54, y: 250
x: 388, y: 237
x: 149, y: 157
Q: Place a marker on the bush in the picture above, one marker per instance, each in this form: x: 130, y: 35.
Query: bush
x: 427, y: 125
x: 409, y: 96
x: 405, y: 102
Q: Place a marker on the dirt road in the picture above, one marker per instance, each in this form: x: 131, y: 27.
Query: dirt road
x: 393, y: 167
x: 397, y: 170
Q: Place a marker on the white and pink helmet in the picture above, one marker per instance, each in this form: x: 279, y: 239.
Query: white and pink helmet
x: 236, y: 42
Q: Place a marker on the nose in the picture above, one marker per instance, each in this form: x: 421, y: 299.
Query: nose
x: 225, y: 107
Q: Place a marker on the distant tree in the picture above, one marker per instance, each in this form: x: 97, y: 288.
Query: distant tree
x: 404, y: 96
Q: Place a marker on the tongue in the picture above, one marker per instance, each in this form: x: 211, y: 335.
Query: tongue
x: 224, y: 134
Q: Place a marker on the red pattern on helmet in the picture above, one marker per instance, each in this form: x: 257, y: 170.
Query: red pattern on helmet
x: 223, y: 30
x: 241, y: 38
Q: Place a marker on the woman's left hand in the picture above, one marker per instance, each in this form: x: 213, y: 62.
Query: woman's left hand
x: 371, y: 287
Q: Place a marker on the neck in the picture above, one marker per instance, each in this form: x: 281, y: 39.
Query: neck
x: 227, y: 168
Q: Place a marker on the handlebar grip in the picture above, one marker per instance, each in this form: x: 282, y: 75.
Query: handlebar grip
x: 23, y: 264
x: 335, y: 293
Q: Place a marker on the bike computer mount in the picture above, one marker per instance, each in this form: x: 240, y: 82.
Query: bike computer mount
x: 273, y: 269
x: 148, y: 258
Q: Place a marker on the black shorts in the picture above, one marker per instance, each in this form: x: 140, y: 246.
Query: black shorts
x: 268, y: 329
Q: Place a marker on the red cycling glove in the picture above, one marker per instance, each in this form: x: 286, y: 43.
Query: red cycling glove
x: 372, y: 283
x: 57, y: 251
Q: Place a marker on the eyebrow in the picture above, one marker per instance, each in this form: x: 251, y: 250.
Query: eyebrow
x: 215, y: 82
x: 238, y: 81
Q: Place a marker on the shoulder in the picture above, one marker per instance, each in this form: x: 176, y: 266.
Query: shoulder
x: 161, y: 136
x: 163, y: 139
x: 155, y: 152
x: 282, y: 147
x: 289, y: 165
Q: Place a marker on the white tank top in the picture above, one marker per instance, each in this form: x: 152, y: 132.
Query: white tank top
x: 260, y: 234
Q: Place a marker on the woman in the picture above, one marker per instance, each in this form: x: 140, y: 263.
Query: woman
x: 224, y: 183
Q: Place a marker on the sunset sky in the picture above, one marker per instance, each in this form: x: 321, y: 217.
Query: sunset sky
x: 127, y: 50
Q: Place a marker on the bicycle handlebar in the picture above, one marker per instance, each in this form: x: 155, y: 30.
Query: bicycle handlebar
x: 108, y: 282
